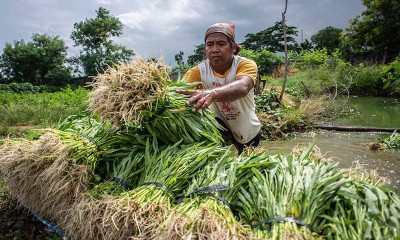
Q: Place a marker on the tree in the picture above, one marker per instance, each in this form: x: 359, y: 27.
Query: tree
x: 37, y: 61
x: 306, y: 45
x: 179, y: 58
x: 376, y: 35
x: 177, y: 72
x: 98, y: 50
x: 328, y: 38
x: 271, y: 39
x: 198, y: 56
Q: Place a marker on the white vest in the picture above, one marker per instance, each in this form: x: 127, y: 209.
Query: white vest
x: 238, y: 115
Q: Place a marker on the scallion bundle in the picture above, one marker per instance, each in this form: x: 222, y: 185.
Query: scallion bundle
x: 202, y: 211
x: 140, y: 94
x: 87, y: 138
x: 289, y: 199
x: 365, y: 208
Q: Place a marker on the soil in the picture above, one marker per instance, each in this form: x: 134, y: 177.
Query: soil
x: 17, y: 223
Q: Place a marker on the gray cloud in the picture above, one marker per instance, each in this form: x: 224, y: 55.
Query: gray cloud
x: 164, y: 27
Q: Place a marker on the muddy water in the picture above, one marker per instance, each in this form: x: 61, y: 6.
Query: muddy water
x: 350, y: 148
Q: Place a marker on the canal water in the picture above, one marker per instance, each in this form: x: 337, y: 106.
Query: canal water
x: 370, y: 112
x: 351, y: 148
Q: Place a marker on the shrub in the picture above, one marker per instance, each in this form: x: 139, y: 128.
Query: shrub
x: 21, y: 87
x: 28, y: 88
x: 392, y: 141
x: 5, y: 87
x: 368, y: 81
x: 391, y: 77
x: 267, y: 61
x: 313, y: 59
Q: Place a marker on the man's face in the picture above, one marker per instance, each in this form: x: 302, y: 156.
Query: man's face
x: 219, y: 51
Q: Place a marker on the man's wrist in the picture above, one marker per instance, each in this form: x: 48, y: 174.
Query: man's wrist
x: 214, y: 95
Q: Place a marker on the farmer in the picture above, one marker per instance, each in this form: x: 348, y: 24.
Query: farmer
x: 227, y: 87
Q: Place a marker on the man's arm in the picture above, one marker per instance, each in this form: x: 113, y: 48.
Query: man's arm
x: 226, y: 93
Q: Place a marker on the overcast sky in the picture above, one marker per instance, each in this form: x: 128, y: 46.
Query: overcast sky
x: 154, y: 28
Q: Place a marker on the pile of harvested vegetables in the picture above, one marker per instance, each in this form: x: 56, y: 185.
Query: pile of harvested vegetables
x: 144, y: 166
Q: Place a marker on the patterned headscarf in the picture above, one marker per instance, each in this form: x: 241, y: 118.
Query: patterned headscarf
x: 227, y: 29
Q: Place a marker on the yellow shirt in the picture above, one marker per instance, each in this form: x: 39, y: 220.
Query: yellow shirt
x: 246, y: 67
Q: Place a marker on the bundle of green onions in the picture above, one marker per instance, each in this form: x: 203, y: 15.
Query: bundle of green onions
x: 86, y: 137
x: 166, y: 170
x: 202, y: 211
x: 290, y: 199
x: 140, y: 94
x: 123, y: 93
x: 172, y: 168
x: 365, y: 208
x: 178, y: 122
x: 42, y: 175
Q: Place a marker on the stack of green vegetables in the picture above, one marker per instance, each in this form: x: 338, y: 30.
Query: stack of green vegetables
x: 140, y: 94
x: 155, y: 170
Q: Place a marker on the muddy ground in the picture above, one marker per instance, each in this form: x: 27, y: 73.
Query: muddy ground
x: 17, y: 223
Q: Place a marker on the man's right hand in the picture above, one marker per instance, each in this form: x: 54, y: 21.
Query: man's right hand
x: 201, y: 98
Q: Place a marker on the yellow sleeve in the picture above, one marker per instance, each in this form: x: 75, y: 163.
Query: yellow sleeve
x: 192, y: 75
x: 248, y: 68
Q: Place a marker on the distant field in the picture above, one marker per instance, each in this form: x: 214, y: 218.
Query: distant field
x: 20, y: 112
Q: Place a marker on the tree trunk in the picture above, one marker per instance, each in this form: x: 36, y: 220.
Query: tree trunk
x: 286, y: 54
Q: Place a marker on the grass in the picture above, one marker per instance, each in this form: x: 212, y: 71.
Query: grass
x: 22, y: 113
x: 313, y: 81
x: 361, y: 80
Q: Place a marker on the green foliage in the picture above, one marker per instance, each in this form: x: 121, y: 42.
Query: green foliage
x: 198, y: 56
x: 22, y: 87
x: 178, y: 71
x: 392, y: 141
x: 322, y: 73
x: 94, y: 33
x: 375, y: 34
x: 306, y: 45
x: 312, y: 59
x: 35, y: 61
x: 41, y: 108
x: 368, y: 81
x: 179, y: 58
x: 312, y: 81
x: 271, y: 39
x: 391, y: 76
x: 94, y: 36
x: 328, y: 38
x: 5, y: 88
x: 278, y: 120
x: 25, y: 87
x: 335, y: 70
x: 266, y: 61
x: 266, y: 102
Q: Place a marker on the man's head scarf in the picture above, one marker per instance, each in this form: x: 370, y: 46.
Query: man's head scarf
x: 227, y: 29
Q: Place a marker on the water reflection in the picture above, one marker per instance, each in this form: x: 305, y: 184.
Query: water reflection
x: 370, y: 112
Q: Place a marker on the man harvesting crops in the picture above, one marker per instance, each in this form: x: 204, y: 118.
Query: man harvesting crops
x: 227, y: 87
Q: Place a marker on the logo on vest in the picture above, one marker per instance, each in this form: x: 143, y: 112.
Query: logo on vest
x: 229, y: 110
